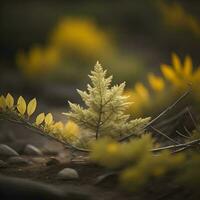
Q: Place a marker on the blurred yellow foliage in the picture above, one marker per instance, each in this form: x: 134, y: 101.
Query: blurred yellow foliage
x: 140, y: 97
x: 148, y: 167
x: 38, y: 61
x: 81, y: 36
x: 136, y: 162
x: 108, y: 152
x: 190, y: 176
x: 156, y: 82
x: 71, y: 37
x: 177, y: 17
x: 180, y: 75
x: 112, y: 148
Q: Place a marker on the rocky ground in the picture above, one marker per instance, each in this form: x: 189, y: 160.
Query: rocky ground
x: 32, y: 167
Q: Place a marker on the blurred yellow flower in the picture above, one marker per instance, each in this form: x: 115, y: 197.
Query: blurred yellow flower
x: 38, y: 61
x: 140, y: 97
x: 81, y: 36
x: 72, y: 37
x: 112, y: 148
x: 180, y: 75
x: 141, y: 92
x: 157, y: 83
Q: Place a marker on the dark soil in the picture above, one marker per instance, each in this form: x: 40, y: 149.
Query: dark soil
x: 107, y: 189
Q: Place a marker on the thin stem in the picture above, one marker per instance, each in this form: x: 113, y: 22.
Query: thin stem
x: 182, y: 135
x: 39, y: 131
x: 169, y: 108
x: 164, y: 135
x: 187, y: 144
x: 99, y: 122
x: 191, y: 117
x: 100, y: 113
x: 170, y: 120
x: 187, y: 131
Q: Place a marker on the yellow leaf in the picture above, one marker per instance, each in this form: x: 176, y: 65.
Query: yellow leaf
x: 169, y: 73
x: 187, y: 66
x: 2, y: 102
x: 31, y: 107
x: 48, y: 119
x: 21, y: 105
x: 39, y: 119
x: 176, y: 62
x: 142, y: 91
x: 156, y: 82
x: 9, y: 100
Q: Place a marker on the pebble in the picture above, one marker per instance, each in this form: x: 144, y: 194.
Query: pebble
x: 6, y: 151
x: 3, y: 164
x: 17, y: 160
x: 68, y: 174
x: 32, y: 150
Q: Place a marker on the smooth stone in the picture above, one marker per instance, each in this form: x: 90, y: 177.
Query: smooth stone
x: 68, y: 174
x: 6, y: 151
x: 18, y: 161
x: 3, y: 164
x: 32, y: 150
x: 24, y: 189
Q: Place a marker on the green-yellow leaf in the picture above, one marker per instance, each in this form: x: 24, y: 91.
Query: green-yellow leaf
x: 2, y: 102
x: 39, y: 119
x: 9, y: 100
x: 31, y: 107
x: 21, y: 105
x: 48, y: 119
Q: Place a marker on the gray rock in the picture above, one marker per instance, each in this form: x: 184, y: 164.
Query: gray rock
x: 68, y: 174
x: 3, y: 164
x: 24, y: 189
x: 17, y: 160
x: 32, y: 150
x: 6, y: 151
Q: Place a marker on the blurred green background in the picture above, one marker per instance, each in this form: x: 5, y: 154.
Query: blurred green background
x: 48, y: 47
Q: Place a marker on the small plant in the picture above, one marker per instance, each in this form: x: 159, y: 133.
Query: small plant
x: 105, y: 107
x: 137, y: 161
